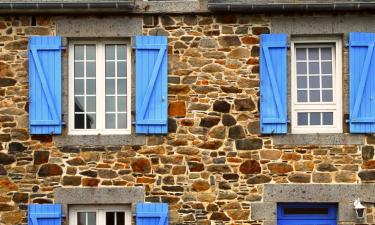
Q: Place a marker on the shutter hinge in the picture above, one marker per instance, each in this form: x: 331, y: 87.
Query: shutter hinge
x: 134, y: 123
x: 347, y: 121
x: 288, y: 46
x: 346, y: 45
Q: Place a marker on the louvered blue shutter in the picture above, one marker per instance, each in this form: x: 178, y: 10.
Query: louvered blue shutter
x: 45, y: 214
x: 151, y: 84
x: 45, y: 85
x: 362, y: 82
x: 273, y: 83
x: 152, y: 214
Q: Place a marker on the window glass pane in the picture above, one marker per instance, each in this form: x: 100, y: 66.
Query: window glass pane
x: 314, y: 96
x: 301, y: 68
x: 326, y: 53
x: 91, y: 121
x: 327, y: 118
x: 301, y: 53
x: 121, y: 121
x: 110, y: 218
x: 121, y: 69
x: 315, y: 118
x: 326, y: 81
x: 120, y: 218
x: 301, y: 82
x: 78, y: 69
x: 109, y: 52
x: 110, y: 86
x: 79, y: 86
x: 90, y: 86
x: 110, y: 69
x: 79, y: 104
x: 121, y: 104
x: 302, y: 119
x: 314, y: 82
x: 110, y: 104
x: 91, y: 104
x: 78, y: 52
x: 81, y: 218
x: 121, y: 52
x: 302, y: 96
x: 327, y: 96
x: 91, y: 218
x: 326, y: 68
x: 110, y: 121
x: 90, y: 69
x: 301, y: 211
x: 313, y: 68
x: 121, y: 86
x: 313, y: 53
x: 79, y: 121
x: 90, y: 52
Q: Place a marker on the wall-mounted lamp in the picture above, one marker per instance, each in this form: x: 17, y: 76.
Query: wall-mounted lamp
x: 359, y: 209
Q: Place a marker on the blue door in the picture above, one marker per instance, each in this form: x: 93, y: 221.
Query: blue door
x: 306, y: 214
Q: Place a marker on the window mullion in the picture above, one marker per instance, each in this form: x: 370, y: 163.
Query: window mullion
x: 100, y: 83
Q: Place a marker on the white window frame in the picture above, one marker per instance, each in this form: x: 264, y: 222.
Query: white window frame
x: 100, y: 211
x: 335, y: 106
x: 100, y: 89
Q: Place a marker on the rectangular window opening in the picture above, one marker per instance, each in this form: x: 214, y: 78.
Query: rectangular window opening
x: 99, y: 87
x: 316, y: 87
x: 305, y: 211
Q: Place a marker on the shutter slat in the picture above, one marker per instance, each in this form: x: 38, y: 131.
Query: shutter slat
x: 45, y: 85
x: 152, y: 214
x: 45, y: 214
x: 151, y: 84
x: 362, y: 92
x: 273, y: 83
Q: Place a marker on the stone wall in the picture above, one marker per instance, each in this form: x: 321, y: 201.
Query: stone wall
x: 213, y: 163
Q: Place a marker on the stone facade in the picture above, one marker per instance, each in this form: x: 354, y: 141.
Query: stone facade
x: 213, y: 163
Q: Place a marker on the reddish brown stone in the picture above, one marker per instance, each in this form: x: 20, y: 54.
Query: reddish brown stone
x: 215, y: 144
x: 178, y: 89
x: 177, y: 108
x: 91, y: 182
x: 50, y: 170
x: 239, y: 214
x: 71, y: 180
x: 178, y: 170
x: 195, y: 166
x: 41, y: 157
x: 250, y: 40
x: 369, y: 164
x: 76, y: 161
x: 300, y: 178
x: 250, y: 167
x: 200, y: 185
x: 6, y: 185
x: 145, y: 180
x: 280, y: 167
x: 20, y: 197
x: 141, y: 165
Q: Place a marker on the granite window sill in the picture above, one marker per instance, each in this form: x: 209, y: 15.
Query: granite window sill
x: 319, y: 139
x: 100, y: 140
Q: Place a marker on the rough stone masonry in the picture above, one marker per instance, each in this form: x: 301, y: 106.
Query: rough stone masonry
x: 212, y: 164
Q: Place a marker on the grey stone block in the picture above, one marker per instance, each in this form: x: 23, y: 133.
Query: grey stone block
x: 319, y: 139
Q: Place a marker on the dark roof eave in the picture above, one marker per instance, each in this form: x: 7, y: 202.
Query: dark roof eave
x: 218, y: 6
x: 66, y: 7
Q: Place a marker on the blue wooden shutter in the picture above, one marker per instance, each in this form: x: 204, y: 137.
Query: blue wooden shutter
x: 45, y: 84
x: 273, y: 83
x: 362, y: 82
x: 45, y: 214
x: 151, y: 84
x: 152, y: 214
